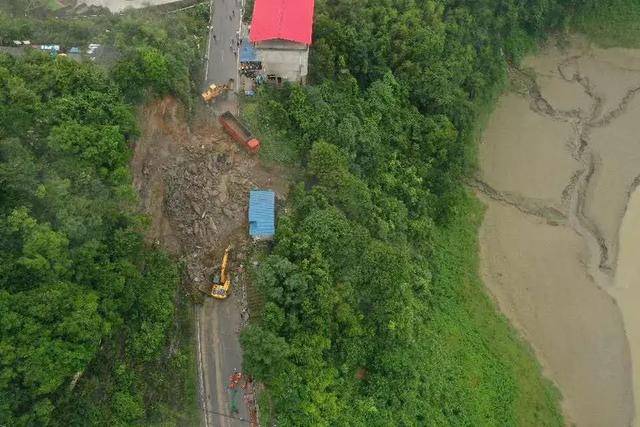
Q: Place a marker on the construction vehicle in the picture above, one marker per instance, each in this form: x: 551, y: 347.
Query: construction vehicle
x: 214, y: 91
x: 221, y: 286
x: 239, y: 132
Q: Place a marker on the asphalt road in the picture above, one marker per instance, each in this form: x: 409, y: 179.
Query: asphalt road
x: 218, y: 322
x: 220, y: 354
x: 222, y: 63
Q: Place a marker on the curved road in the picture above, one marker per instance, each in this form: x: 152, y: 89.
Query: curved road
x: 218, y: 322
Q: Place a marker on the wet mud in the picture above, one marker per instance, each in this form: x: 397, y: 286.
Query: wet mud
x: 559, y: 161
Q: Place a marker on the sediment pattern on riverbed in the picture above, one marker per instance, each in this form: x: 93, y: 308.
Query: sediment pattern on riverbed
x: 559, y: 161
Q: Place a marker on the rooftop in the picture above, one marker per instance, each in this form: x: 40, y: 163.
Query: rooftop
x: 282, y: 19
x: 262, y: 214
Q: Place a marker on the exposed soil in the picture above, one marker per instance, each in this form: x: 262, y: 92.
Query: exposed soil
x: 559, y: 161
x: 194, y: 183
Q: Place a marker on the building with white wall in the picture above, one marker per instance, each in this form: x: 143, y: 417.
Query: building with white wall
x: 281, y: 31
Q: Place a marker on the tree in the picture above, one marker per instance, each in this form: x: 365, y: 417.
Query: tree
x: 374, y: 313
x: 81, y: 294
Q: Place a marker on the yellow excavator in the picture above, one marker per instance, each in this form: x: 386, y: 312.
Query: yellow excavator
x: 214, y: 90
x: 221, y: 286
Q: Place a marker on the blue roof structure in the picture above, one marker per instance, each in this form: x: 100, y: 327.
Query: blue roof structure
x: 247, y: 52
x: 262, y: 214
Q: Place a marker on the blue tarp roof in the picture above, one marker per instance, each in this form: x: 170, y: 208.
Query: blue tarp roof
x: 247, y: 52
x: 262, y: 214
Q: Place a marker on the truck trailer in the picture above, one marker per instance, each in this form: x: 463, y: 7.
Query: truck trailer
x: 239, y: 132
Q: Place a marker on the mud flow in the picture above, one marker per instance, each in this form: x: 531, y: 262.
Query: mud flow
x: 559, y: 161
x: 194, y: 183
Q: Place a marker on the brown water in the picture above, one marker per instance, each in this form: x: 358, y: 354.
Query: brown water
x: 558, y: 162
x: 627, y: 283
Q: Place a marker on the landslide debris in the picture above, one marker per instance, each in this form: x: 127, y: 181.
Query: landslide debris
x: 194, y: 181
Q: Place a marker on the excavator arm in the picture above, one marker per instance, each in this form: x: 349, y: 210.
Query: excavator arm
x: 225, y: 262
x: 221, y: 290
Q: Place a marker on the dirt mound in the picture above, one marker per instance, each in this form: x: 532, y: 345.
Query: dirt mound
x: 194, y: 181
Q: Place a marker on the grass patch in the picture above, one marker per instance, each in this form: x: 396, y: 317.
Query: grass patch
x: 616, y: 24
x: 53, y: 5
x: 475, y: 352
x: 274, y: 146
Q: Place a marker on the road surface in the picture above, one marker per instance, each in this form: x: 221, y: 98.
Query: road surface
x: 220, y: 354
x: 222, y: 59
x: 218, y: 322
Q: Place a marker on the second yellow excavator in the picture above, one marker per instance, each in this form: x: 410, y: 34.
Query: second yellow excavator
x: 215, y: 90
x: 221, y: 286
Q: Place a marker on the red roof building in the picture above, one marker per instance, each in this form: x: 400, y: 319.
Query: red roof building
x: 290, y: 20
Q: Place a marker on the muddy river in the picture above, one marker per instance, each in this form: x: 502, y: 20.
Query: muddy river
x: 559, y: 164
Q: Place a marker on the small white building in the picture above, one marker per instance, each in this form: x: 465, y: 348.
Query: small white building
x: 281, y: 32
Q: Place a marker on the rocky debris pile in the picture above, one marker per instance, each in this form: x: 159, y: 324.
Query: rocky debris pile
x: 206, y: 199
x: 194, y: 182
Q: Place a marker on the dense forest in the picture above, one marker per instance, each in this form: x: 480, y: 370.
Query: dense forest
x: 374, y: 313
x: 152, y: 52
x: 94, y: 329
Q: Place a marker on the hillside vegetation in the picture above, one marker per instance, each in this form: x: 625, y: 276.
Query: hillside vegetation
x: 94, y: 328
x: 374, y: 311
x: 149, y: 52
x: 612, y: 23
x: 374, y: 314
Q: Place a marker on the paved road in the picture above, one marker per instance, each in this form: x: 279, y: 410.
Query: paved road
x: 222, y: 63
x: 220, y: 353
x: 218, y: 322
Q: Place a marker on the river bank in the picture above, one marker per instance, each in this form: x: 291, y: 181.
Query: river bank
x: 558, y: 162
x: 627, y: 284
